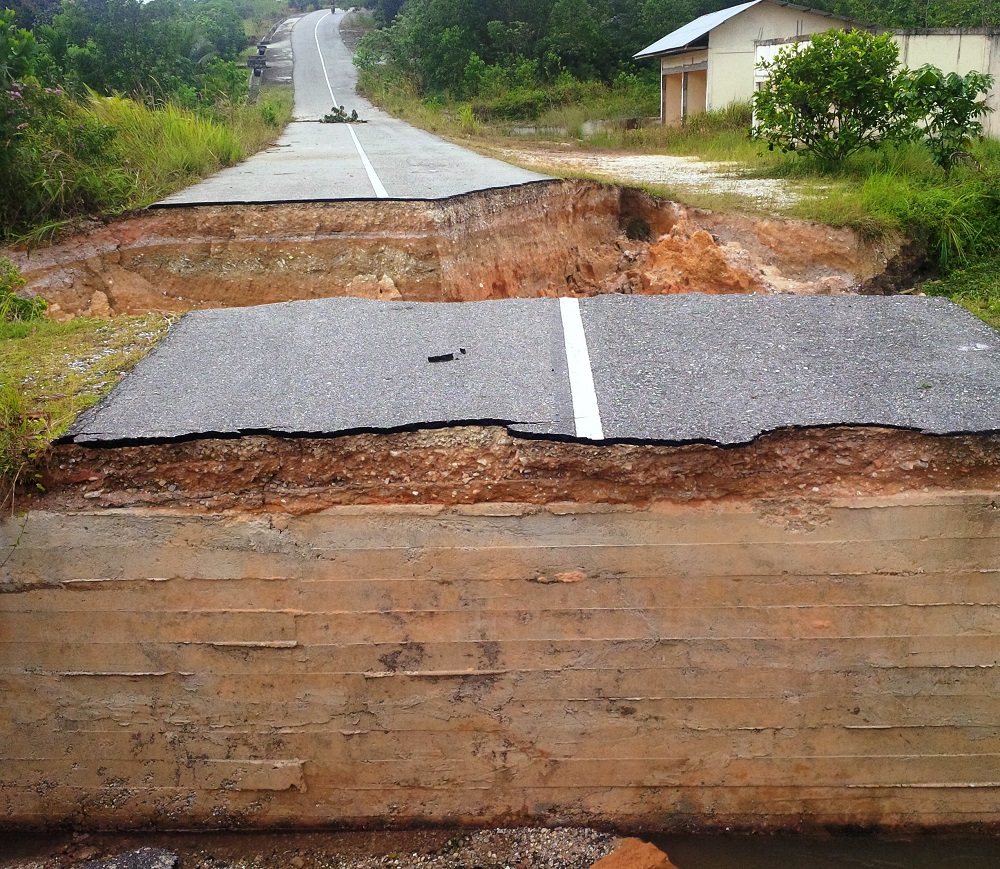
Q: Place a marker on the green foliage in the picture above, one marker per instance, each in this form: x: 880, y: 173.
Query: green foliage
x: 22, y: 440
x: 836, y: 96
x: 946, y: 109
x: 922, y: 13
x: 40, y: 394
x: 109, y: 154
x: 56, y: 158
x: 473, y: 49
x: 18, y: 49
x: 976, y: 287
x: 843, y: 92
x: 14, y: 308
x: 154, y: 50
x: 962, y: 221
x: 339, y: 115
x: 577, y: 36
x: 67, y: 151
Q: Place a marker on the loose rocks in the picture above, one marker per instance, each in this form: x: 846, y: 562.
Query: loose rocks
x: 141, y: 858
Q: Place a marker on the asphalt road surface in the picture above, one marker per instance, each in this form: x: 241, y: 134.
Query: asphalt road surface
x: 382, y: 159
x: 719, y: 369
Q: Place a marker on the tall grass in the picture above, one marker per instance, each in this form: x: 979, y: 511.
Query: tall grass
x: 168, y: 147
x: 162, y: 148
x: 627, y: 98
x: 50, y: 372
x: 717, y: 135
x: 110, y: 154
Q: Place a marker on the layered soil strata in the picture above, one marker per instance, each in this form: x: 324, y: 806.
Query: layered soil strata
x: 470, y: 464
x: 567, y: 238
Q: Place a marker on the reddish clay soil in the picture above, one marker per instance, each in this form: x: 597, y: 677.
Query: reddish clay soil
x: 564, y: 238
x: 574, y: 238
x: 467, y: 465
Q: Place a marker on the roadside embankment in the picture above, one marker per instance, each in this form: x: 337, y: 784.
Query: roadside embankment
x: 771, y: 664
x: 547, y: 239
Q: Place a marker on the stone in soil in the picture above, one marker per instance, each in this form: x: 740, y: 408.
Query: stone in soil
x: 141, y: 858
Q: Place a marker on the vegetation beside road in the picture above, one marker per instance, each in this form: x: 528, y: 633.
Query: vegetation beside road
x: 54, y: 371
x: 108, y: 107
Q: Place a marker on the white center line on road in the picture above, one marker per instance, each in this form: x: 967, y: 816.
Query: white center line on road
x: 376, y: 182
x: 380, y: 190
x: 586, y: 411
x: 322, y: 62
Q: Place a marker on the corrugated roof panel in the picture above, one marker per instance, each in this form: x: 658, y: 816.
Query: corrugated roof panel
x: 687, y: 34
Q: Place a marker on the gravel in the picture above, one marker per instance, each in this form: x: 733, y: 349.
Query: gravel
x: 664, y: 170
x: 514, y: 848
x: 523, y: 848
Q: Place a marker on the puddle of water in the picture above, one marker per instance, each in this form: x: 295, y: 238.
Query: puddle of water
x: 853, y: 852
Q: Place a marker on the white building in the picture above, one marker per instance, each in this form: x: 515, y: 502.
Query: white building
x: 712, y: 61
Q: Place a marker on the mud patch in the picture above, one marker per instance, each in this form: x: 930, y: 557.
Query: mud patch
x: 469, y: 465
x: 564, y: 238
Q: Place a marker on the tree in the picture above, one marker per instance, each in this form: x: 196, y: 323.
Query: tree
x: 838, y: 94
x: 577, y: 34
x: 17, y: 49
x: 947, y: 110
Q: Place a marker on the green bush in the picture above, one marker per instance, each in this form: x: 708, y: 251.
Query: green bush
x: 946, y: 110
x: 834, y: 97
x: 517, y: 104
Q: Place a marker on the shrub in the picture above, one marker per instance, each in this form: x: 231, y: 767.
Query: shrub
x: 516, y: 104
x: 947, y: 110
x: 837, y: 95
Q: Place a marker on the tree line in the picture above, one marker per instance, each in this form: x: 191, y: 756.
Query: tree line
x: 182, y: 49
x: 93, y: 96
x: 463, y: 47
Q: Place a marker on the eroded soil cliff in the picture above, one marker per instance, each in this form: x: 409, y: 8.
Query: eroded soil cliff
x: 573, y: 238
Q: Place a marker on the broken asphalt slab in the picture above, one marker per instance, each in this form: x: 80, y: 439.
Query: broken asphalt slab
x: 337, y: 365
x: 726, y: 368
x: 687, y: 368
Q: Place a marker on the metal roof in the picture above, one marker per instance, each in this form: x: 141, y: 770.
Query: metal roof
x: 684, y: 36
x: 695, y: 30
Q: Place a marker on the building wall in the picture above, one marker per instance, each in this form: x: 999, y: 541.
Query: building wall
x: 955, y: 51
x: 731, y: 55
x: 778, y: 664
x: 672, y: 72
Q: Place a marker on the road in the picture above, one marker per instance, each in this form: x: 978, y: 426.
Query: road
x: 719, y: 369
x: 384, y: 158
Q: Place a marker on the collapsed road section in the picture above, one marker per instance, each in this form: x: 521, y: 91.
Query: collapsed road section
x: 419, y: 596
x: 570, y: 238
x: 666, y: 562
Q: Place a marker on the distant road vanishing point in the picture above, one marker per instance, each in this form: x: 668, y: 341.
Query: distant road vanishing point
x: 384, y: 158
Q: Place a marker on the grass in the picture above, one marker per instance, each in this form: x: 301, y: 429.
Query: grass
x: 50, y: 372
x: 108, y: 155
x: 976, y: 288
x: 167, y: 148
